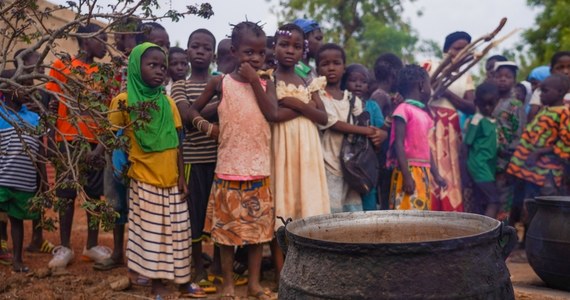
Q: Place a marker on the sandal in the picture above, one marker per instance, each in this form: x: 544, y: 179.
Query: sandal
x: 46, y: 247
x: 5, y: 258
x: 193, y: 291
x: 107, y: 264
x: 207, y: 286
x: 261, y: 295
x: 239, y: 280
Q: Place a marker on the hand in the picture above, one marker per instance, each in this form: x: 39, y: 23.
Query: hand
x: 182, y: 186
x: 291, y: 102
x: 440, y: 180
x: 378, y: 137
x: 532, y: 158
x: 215, y: 131
x: 248, y: 72
x: 409, y: 185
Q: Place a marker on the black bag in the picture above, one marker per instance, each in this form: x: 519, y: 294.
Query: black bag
x: 358, y: 159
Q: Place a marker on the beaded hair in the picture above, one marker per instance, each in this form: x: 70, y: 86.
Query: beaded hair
x: 287, y: 30
x: 244, y: 28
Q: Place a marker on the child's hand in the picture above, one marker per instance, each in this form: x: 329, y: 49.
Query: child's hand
x: 397, y: 99
x: 409, y: 185
x: 378, y: 136
x: 182, y: 187
x: 215, y: 132
x: 291, y: 102
x: 248, y: 72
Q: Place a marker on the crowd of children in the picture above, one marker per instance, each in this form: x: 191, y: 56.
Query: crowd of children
x: 225, y: 153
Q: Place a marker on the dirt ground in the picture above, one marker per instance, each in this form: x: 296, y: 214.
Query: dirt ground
x: 79, y: 281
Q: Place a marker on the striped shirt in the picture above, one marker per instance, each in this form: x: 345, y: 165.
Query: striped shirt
x: 197, y: 148
x: 18, y: 150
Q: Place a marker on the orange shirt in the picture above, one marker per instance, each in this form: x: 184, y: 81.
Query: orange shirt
x: 69, y: 125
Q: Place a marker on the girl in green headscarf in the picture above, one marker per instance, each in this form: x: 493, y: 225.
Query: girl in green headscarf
x: 159, y: 239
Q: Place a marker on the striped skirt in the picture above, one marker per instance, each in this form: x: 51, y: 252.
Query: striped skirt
x: 158, y: 246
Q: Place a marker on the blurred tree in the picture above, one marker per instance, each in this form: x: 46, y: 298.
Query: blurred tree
x: 551, y: 32
x: 364, y: 28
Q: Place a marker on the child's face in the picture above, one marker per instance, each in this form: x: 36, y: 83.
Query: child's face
x: 251, y: 50
x: 550, y: 92
x: 315, y: 39
x: 153, y: 67
x: 331, y: 65
x: 486, y: 104
x: 96, y: 46
x: 357, y: 84
x: 178, y: 66
x: 520, y: 93
x: 562, y: 66
x: 160, y: 38
x: 289, y: 49
x: 269, y: 59
x: 201, y: 50
x: 489, y: 66
x: 505, y: 79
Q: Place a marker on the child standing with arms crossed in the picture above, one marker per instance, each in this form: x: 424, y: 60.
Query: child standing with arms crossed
x: 330, y: 63
x: 241, y: 209
x: 158, y: 244
x: 199, y: 151
x: 409, y: 152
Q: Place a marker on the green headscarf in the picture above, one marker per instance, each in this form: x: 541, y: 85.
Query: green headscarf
x: 159, y: 133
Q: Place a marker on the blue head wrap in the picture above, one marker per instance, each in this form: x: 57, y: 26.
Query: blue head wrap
x: 539, y: 73
x: 307, y: 25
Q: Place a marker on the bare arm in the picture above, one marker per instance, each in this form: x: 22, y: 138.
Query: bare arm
x: 464, y: 104
x: 266, y: 98
x: 312, y: 112
x: 344, y: 127
x: 400, y: 132
x: 192, y: 112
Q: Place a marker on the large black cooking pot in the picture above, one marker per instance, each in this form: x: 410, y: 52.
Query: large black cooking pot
x: 548, y: 240
x: 396, y: 255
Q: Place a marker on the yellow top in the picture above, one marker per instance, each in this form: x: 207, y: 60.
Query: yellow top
x: 156, y: 168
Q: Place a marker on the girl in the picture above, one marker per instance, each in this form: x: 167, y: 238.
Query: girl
x: 409, y: 153
x: 158, y: 244
x: 330, y: 63
x: 299, y: 182
x: 355, y: 80
x: 199, y: 151
x: 240, y: 209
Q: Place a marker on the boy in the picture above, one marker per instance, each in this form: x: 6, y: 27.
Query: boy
x: 89, y: 49
x: 538, y: 161
x: 480, y: 148
x: 225, y: 61
x: 18, y: 173
x: 177, y: 67
x: 315, y: 38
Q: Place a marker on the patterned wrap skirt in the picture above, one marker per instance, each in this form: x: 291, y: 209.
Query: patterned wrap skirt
x: 159, y: 238
x: 420, y: 199
x: 240, y: 212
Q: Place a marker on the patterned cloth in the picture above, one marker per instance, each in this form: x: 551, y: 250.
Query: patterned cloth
x: 445, y: 143
x: 158, y: 244
x: 548, y: 129
x: 420, y: 199
x: 299, y: 183
x: 240, y: 212
x: 511, y: 119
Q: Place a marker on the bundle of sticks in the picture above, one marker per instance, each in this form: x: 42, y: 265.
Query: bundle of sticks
x: 452, y: 69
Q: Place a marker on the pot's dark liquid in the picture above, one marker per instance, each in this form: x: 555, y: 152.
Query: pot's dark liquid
x: 389, y: 233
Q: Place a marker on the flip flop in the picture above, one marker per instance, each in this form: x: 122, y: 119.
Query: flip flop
x: 265, y: 294
x: 107, y: 264
x: 193, y: 291
x: 207, y: 286
x: 6, y: 258
x: 239, y: 280
x: 46, y: 247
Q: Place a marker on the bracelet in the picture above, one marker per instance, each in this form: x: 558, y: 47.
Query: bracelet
x: 210, y: 128
x: 194, y: 123
x: 200, y: 123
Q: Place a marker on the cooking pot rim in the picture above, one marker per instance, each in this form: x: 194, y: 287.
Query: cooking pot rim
x: 554, y: 200
x: 422, y: 246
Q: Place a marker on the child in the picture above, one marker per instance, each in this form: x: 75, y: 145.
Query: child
x: 225, y: 61
x: 18, y: 173
x: 177, y: 66
x: 480, y: 148
x: 490, y: 66
x: 89, y: 49
x: 159, y: 229
x: 409, y: 152
x: 299, y: 182
x: 559, y: 64
x: 240, y: 209
x: 386, y: 69
x: 545, y: 144
x: 270, y: 62
x: 153, y: 32
x: 511, y: 118
x: 314, y: 36
x: 355, y: 80
x: 198, y: 150
x: 330, y: 63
